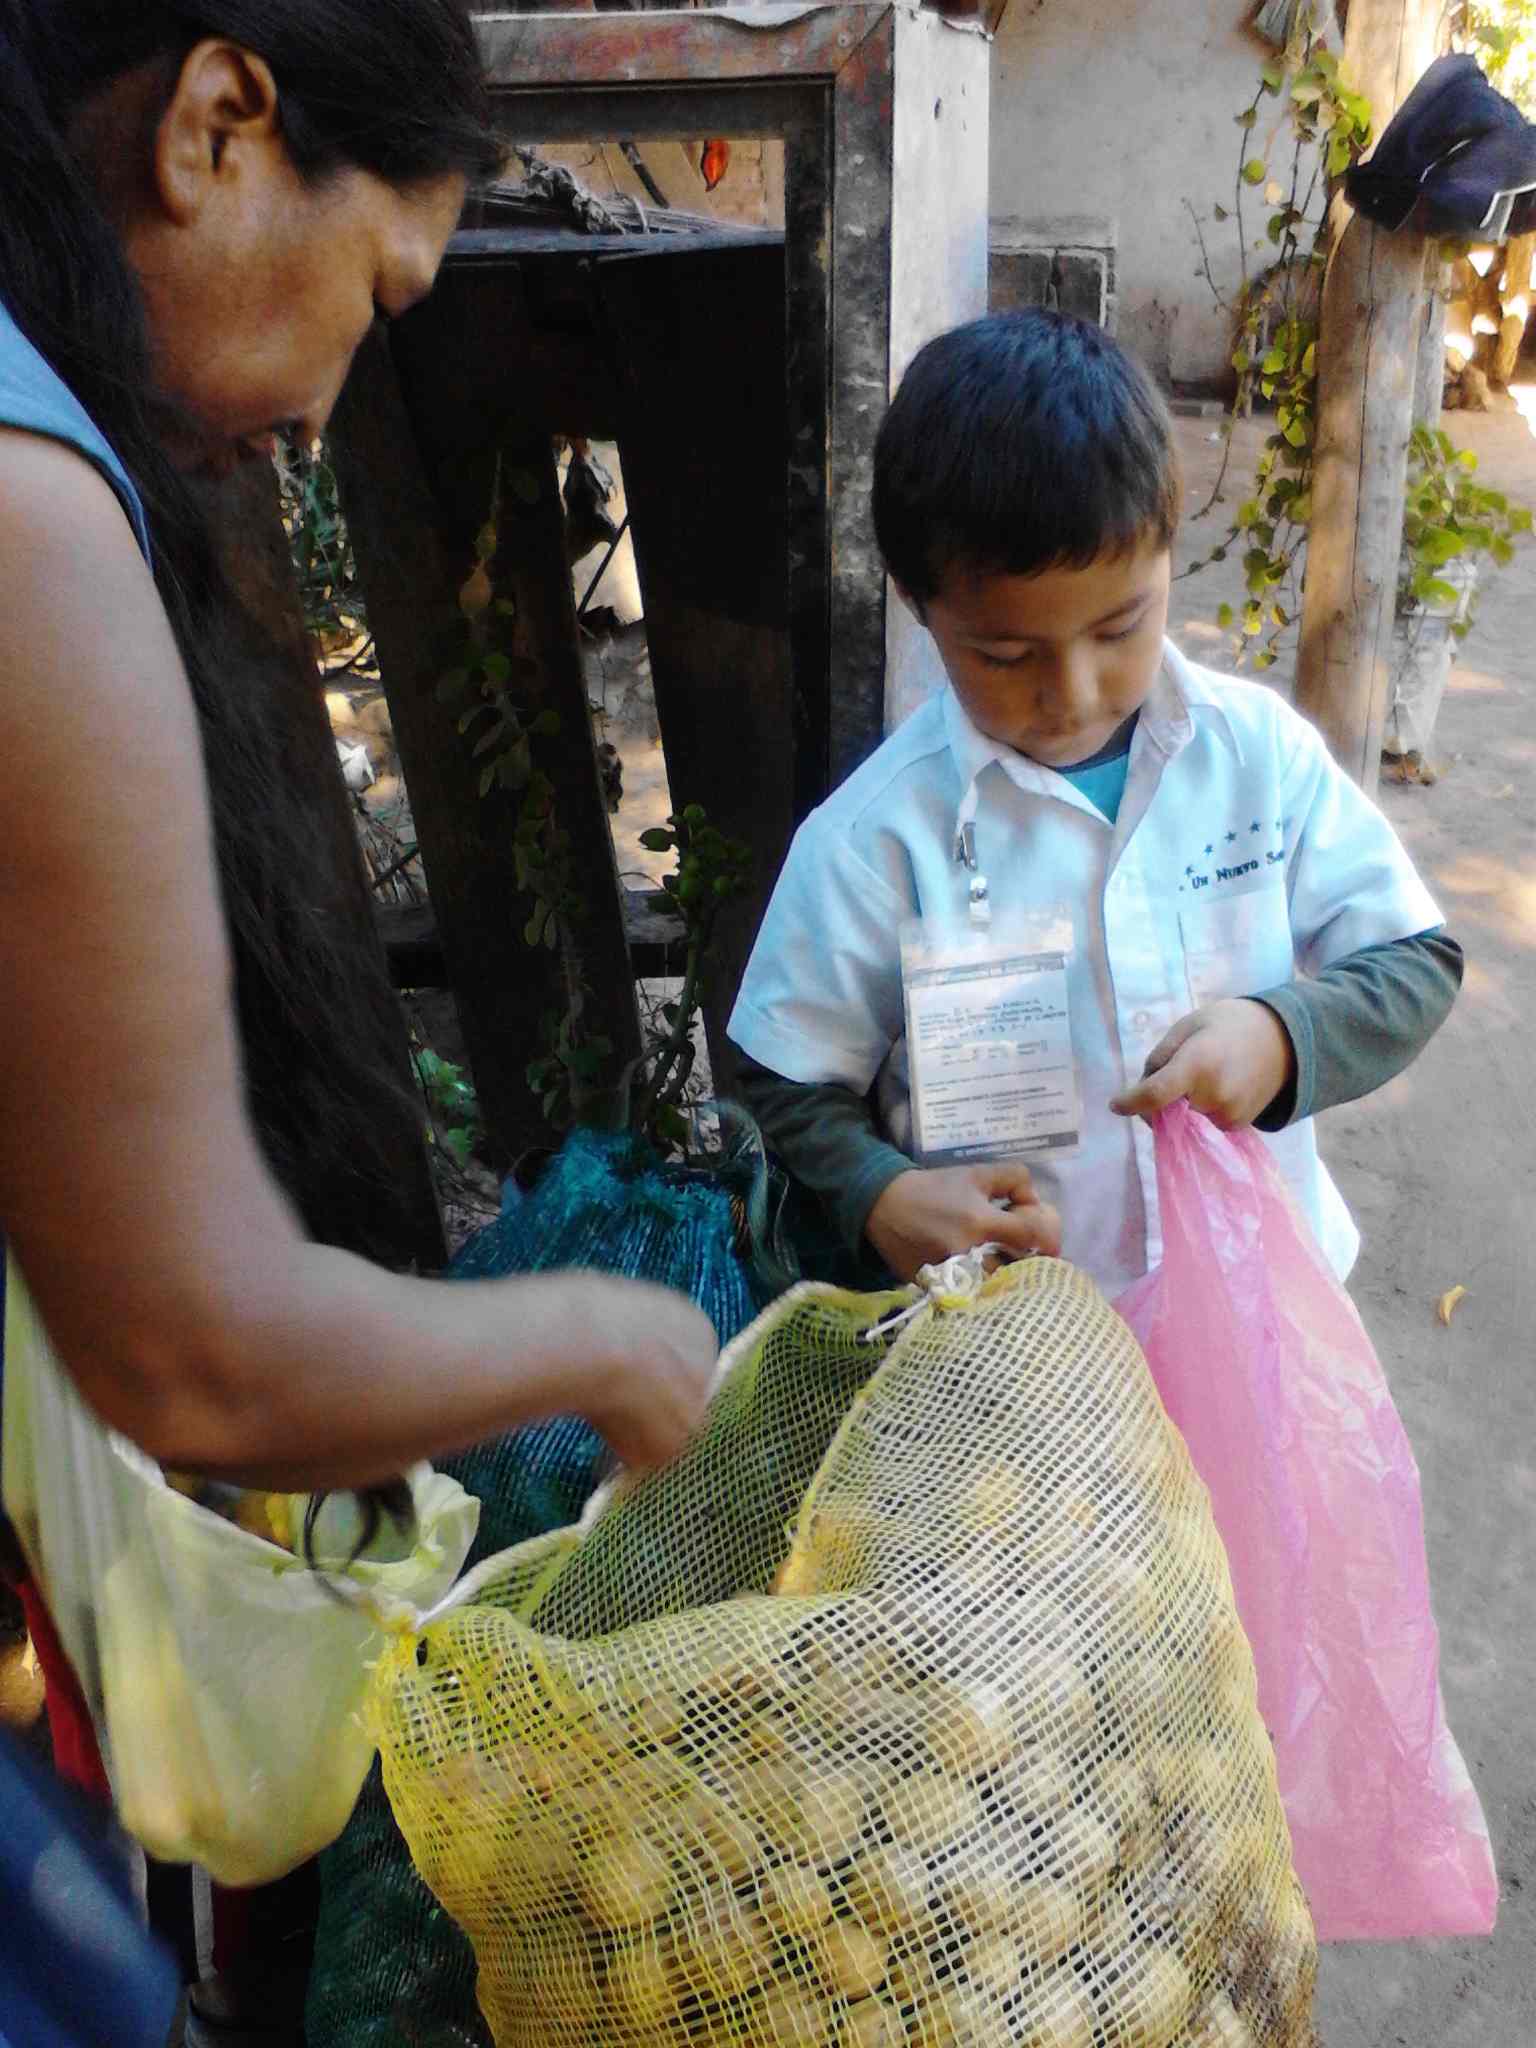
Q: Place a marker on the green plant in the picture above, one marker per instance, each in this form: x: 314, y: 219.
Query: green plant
x: 712, y: 872
x: 1502, y: 35
x: 1450, y: 518
x: 488, y: 663
x: 571, y: 1075
x: 1446, y: 514
x: 1327, y: 125
x: 320, y: 545
x: 451, y: 1099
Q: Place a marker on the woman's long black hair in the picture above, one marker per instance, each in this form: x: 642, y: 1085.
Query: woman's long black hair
x: 392, y: 87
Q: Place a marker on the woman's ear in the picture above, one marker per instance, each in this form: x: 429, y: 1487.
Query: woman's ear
x: 222, y: 121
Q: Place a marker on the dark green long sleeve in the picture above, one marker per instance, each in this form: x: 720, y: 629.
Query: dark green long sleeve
x: 1358, y: 1023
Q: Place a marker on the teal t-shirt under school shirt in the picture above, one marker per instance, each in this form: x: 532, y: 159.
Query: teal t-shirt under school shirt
x: 1101, y: 778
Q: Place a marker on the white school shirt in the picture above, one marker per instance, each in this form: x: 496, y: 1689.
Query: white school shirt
x: 1241, y: 856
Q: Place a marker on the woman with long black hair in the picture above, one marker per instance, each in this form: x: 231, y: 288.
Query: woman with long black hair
x: 204, y: 205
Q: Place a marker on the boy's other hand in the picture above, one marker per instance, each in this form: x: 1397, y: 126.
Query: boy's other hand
x: 933, y: 1212
x: 1229, y: 1061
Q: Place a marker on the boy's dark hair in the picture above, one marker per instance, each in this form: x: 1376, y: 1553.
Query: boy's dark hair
x: 1021, y: 442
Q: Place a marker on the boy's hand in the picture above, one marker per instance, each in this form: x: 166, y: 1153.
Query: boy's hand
x: 933, y: 1212
x: 1229, y: 1061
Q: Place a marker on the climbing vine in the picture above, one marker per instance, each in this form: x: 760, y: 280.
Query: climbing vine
x: 1324, y: 127
x: 488, y: 664
x: 572, y: 1073
x: 1449, y: 518
x: 712, y: 871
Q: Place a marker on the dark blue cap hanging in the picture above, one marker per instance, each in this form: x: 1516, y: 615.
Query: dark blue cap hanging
x: 1457, y: 158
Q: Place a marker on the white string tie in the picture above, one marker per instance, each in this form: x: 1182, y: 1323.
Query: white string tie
x: 947, y: 1284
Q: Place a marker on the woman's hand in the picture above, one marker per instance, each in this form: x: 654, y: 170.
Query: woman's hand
x: 648, y: 1359
x: 933, y: 1212
x: 1228, y: 1061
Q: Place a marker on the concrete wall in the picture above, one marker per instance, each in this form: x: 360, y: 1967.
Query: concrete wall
x: 1124, y: 109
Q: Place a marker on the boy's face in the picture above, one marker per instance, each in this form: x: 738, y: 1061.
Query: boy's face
x: 1052, y: 664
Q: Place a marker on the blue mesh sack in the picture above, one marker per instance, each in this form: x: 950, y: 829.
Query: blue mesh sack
x: 391, y: 1968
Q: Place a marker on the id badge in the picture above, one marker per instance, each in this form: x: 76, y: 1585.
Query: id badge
x: 989, y: 1038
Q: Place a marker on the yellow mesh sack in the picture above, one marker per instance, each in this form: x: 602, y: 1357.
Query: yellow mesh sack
x: 909, y: 1706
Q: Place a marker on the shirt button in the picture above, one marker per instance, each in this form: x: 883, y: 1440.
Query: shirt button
x: 1142, y: 1019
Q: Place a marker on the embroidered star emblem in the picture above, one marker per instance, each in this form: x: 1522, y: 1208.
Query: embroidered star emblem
x: 1230, y: 837
x: 1255, y: 826
x: 1210, y: 849
x: 1189, y: 871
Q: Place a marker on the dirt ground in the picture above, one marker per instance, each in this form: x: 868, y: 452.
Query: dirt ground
x: 1440, y: 1170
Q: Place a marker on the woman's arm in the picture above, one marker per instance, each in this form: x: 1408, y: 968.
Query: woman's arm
x: 172, y: 1275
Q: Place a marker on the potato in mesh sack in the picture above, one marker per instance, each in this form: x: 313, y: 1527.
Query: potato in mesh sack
x: 910, y: 1706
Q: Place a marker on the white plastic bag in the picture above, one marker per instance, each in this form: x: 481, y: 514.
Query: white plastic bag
x: 224, y: 1676
x: 1422, y: 652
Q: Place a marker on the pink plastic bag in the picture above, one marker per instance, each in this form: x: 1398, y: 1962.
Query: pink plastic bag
x: 1265, y: 1366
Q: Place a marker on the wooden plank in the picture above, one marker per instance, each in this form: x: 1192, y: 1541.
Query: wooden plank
x: 1368, y: 352
x: 704, y: 444
x: 861, y: 305
x: 532, y: 570
x: 414, y: 520
x: 387, y: 1212
x: 670, y: 45
x: 499, y: 245
x: 415, y: 952
x: 498, y: 339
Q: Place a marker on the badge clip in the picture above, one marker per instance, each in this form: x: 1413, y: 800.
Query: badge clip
x: 980, y: 893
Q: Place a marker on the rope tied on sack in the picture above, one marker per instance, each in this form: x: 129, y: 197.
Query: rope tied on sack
x: 949, y: 1284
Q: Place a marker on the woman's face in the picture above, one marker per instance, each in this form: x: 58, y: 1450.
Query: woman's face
x: 259, y: 288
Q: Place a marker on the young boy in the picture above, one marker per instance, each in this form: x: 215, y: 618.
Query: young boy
x: 1229, y: 920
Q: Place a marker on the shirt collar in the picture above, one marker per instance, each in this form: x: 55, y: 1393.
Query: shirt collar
x: 1180, y: 693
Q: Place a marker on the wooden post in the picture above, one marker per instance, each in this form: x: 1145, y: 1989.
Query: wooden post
x: 711, y: 545
x: 1368, y: 352
x: 414, y: 517
x: 1429, y: 375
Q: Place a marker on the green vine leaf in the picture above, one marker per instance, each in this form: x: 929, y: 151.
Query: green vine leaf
x: 1438, y: 546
